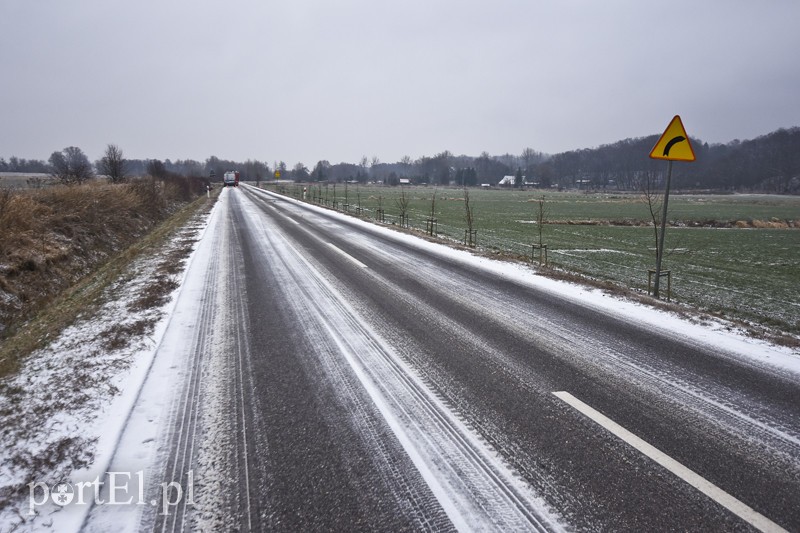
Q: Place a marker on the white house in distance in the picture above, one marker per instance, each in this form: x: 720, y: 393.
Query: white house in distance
x: 510, y: 181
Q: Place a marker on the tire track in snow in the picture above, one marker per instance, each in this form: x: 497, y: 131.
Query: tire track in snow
x: 185, y: 410
x: 473, y: 484
x: 715, y: 402
x: 692, y: 394
x: 220, y: 322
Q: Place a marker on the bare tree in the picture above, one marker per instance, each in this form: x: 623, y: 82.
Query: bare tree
x: 402, y: 205
x: 157, y: 169
x: 469, y: 217
x: 70, y: 166
x: 379, y: 213
x: 542, y: 212
x: 113, y: 164
x: 509, y: 160
x: 300, y: 172
x: 320, y: 172
x: 541, y: 217
x: 431, y: 222
x: 653, y: 198
x: 529, y: 156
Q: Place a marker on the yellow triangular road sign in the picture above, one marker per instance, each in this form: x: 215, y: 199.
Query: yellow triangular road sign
x: 674, y: 143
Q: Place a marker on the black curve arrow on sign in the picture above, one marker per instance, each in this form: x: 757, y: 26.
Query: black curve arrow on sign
x: 671, y: 142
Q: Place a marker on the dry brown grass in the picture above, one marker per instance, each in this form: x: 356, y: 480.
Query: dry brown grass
x: 770, y: 224
x: 766, y: 224
x: 52, y: 238
x: 119, y: 335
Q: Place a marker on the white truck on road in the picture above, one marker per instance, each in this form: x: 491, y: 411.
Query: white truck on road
x: 231, y: 179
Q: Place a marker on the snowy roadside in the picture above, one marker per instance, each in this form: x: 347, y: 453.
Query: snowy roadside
x: 64, y: 411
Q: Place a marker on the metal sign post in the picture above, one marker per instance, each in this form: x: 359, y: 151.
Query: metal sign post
x: 673, y: 145
x: 660, y: 251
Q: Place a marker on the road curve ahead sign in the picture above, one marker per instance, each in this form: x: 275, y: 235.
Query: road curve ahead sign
x: 674, y: 143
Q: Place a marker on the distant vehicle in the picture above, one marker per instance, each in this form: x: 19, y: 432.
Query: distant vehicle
x: 231, y: 179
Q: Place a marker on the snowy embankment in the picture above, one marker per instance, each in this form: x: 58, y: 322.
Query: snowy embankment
x: 62, y: 414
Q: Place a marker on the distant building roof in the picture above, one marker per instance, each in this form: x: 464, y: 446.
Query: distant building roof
x: 510, y: 180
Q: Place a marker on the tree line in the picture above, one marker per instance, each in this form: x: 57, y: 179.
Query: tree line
x: 71, y: 165
x: 769, y: 163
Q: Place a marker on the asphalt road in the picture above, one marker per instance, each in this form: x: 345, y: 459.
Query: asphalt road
x: 345, y: 379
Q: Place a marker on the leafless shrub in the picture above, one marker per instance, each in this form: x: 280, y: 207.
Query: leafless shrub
x: 469, y: 218
x: 402, y: 205
x: 653, y: 199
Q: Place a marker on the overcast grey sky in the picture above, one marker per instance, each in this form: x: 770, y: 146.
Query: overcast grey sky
x: 297, y: 80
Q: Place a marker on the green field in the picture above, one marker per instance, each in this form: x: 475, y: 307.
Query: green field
x: 750, y: 273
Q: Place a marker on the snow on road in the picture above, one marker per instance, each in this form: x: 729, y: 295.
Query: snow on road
x: 721, y: 335
x: 150, y: 392
x: 474, y: 486
x: 167, y: 400
x: 728, y: 412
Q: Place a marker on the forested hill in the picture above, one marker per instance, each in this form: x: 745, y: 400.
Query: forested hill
x: 770, y: 163
x: 767, y: 163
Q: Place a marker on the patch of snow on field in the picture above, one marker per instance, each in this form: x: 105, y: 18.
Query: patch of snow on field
x: 62, y: 414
